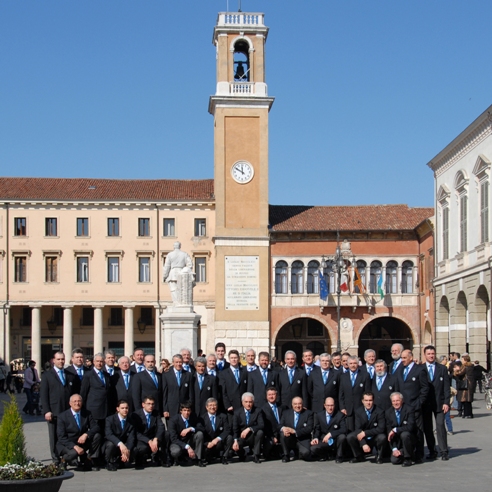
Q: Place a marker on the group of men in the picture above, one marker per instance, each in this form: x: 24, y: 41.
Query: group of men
x: 212, y: 408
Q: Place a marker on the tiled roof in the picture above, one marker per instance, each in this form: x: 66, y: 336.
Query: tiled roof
x: 284, y: 218
x: 105, y: 189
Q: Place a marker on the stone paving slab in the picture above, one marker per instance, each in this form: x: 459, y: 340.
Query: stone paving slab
x: 469, y: 467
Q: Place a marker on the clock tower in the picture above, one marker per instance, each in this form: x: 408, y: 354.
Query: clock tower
x: 240, y: 109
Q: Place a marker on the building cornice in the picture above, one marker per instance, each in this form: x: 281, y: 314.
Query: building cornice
x: 250, y: 102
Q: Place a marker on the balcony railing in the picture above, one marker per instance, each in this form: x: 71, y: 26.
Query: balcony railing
x: 242, y: 88
x: 240, y: 19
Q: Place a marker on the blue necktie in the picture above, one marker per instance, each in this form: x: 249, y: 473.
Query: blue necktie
x: 308, y: 370
x: 125, y: 376
x: 397, y: 416
x: 236, y: 375
x: 353, y: 375
x: 178, y: 378
x: 110, y: 371
x: 77, y: 419
x: 265, y: 377
x: 220, y: 365
x: 325, y: 376
x: 380, y: 382
x: 101, y: 376
x: 212, y: 421
x: 62, y: 377
x: 291, y: 375
x: 328, y: 420
x: 123, y: 424
x: 79, y: 372
x: 405, y: 373
x: 368, y: 413
x: 275, y: 412
x: 154, y: 377
x: 140, y: 369
x: 296, y: 419
x: 395, y: 366
x: 148, y: 420
x: 431, y: 372
x: 212, y: 372
x: 247, y: 417
x: 200, y: 381
x: 186, y: 367
x: 371, y: 371
x: 186, y: 423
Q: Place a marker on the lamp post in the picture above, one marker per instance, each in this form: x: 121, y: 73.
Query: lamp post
x: 339, y: 265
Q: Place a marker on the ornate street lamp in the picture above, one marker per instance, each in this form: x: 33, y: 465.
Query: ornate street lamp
x: 141, y: 326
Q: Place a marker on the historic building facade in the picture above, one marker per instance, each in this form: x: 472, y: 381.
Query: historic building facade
x: 462, y: 241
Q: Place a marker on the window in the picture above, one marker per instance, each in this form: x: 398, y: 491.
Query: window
x: 391, y: 277
x: 374, y: 278
x: 200, y: 227
x: 297, y: 278
x: 20, y: 226
x: 144, y: 227
x: 82, y: 269
x: 113, y: 227
x: 116, y: 318
x: 26, y: 319
x: 281, y: 277
x: 58, y: 316
x: 20, y: 273
x: 312, y: 277
x: 463, y: 222
x: 169, y: 227
x: 445, y: 233
x: 484, y: 212
x: 51, y: 226
x: 329, y: 276
x: 200, y: 269
x: 87, y: 317
x: 82, y: 226
x: 361, y: 268
x: 144, y: 269
x: 51, y: 269
x: 146, y: 316
x: 407, y: 277
x: 113, y: 269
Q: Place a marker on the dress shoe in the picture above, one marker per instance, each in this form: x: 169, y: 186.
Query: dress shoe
x: 224, y: 460
x: 256, y: 459
x: 338, y: 459
x: 468, y: 417
x: 322, y: 459
x: 139, y: 466
x: 418, y: 461
x: 444, y: 457
x: 358, y: 459
x: 111, y: 467
x: 432, y: 456
x: 406, y: 463
x: 201, y: 463
x: 167, y: 464
x: 285, y: 459
x: 379, y: 460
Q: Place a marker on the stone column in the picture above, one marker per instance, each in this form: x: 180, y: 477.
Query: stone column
x: 36, y: 335
x: 157, y: 327
x: 129, y: 324
x: 67, y: 333
x: 98, y: 330
x: 5, y: 334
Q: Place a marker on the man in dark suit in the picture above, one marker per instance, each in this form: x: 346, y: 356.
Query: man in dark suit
x: 233, y: 382
x: 187, y: 362
x: 217, y: 436
x: 396, y: 350
x: 138, y: 361
x: 383, y: 384
x: 152, y: 438
x: 96, y: 390
x: 250, y: 356
x: 400, y: 427
x: 78, y: 436
x: 212, y: 366
x: 292, y: 381
x: 177, y: 388
x: 308, y: 365
x: 353, y: 384
x: 321, y: 384
x: 370, y: 431
x: 261, y: 379
x: 296, y: 427
x: 272, y: 414
x: 329, y: 437
x: 220, y: 351
x: 147, y: 383
x: 123, y: 382
x: 369, y: 359
x: 57, y: 386
x: 112, y: 370
x: 186, y: 436
x: 437, y: 404
x: 205, y: 386
x: 248, y: 428
x: 413, y: 384
x: 120, y: 434
x: 77, y: 368
x: 336, y: 361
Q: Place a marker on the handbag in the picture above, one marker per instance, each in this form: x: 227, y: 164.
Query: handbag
x: 462, y: 384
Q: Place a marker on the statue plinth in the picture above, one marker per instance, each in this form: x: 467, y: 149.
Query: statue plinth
x: 179, y: 326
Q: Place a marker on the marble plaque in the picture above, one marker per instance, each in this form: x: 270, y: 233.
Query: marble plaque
x: 242, y: 283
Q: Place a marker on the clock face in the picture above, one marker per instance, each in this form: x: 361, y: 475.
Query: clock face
x: 242, y: 172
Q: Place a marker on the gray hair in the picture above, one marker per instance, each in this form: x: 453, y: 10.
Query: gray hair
x: 290, y: 352
x: 201, y: 360
x: 397, y: 393
x: 247, y: 395
x: 369, y: 351
x: 99, y: 354
x: 210, y: 400
x: 353, y: 357
x: 122, y: 358
x: 177, y: 356
x: 325, y: 355
x: 399, y: 345
x: 250, y: 350
x: 381, y: 361
x: 185, y: 348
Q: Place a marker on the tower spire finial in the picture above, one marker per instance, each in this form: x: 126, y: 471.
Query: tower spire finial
x: 239, y: 6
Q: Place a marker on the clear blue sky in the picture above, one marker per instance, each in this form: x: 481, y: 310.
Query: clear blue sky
x: 367, y: 92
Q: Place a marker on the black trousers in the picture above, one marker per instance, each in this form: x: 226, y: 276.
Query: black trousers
x: 291, y: 443
x: 29, y: 406
x: 254, y: 440
x: 404, y: 442
x: 143, y: 451
x: 379, y: 442
x: 442, y: 437
x: 196, y: 443
x: 467, y: 409
x: 221, y: 449
x: 338, y: 448
x: 55, y: 455
x: 419, y: 445
x: 112, y: 453
x: 91, y: 447
x: 271, y: 450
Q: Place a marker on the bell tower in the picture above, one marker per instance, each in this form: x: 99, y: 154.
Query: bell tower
x: 240, y: 109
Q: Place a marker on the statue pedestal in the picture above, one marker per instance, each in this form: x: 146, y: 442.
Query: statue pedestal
x: 179, y: 326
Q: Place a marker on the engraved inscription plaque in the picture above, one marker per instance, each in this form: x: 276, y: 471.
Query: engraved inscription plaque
x: 242, y: 283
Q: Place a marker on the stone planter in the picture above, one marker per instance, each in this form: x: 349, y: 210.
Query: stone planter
x: 51, y: 484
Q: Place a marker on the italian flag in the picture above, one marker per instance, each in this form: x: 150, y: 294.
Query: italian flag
x: 380, y: 286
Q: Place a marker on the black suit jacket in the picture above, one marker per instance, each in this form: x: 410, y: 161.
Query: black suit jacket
x: 382, y: 397
x: 407, y: 419
x: 231, y: 390
x: 256, y: 421
x: 121, y: 392
x: 133, y: 369
x: 210, y: 389
x: 54, y: 396
x: 144, y: 433
x: 95, y: 394
x: 399, y: 368
x: 297, y: 388
x: 115, y: 434
x: 77, y: 384
x: 305, y: 425
x: 172, y: 394
x: 272, y: 427
x: 415, y: 388
x: 257, y: 386
x: 336, y: 427
x: 176, y: 425
x: 68, y: 431
x: 364, y: 368
x: 351, y: 397
x: 439, y: 392
x: 372, y: 427
x: 143, y: 385
x: 318, y: 391
x: 222, y: 427
x: 225, y: 366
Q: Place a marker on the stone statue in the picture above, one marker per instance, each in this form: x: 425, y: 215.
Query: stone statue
x: 179, y: 276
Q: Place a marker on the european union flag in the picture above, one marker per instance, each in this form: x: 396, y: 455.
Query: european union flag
x: 323, y: 288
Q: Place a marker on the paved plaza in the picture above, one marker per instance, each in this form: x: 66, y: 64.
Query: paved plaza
x: 469, y: 468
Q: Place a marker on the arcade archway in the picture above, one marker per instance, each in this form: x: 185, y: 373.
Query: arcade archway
x: 302, y: 334
x: 383, y: 332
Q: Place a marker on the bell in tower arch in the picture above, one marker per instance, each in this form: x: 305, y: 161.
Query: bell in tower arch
x: 241, y: 62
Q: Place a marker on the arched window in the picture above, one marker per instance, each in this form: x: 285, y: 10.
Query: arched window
x: 241, y: 61
x: 361, y: 268
x: 391, y: 277
x: 312, y: 277
x: 407, y: 277
x: 375, y: 274
x: 329, y: 275
x: 297, y: 278
x: 281, y: 278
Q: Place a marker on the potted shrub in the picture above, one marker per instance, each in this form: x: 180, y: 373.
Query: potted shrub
x: 18, y: 473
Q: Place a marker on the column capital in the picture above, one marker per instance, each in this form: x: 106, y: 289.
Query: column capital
x: 129, y: 306
x: 67, y: 306
x: 35, y: 306
x: 98, y: 306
